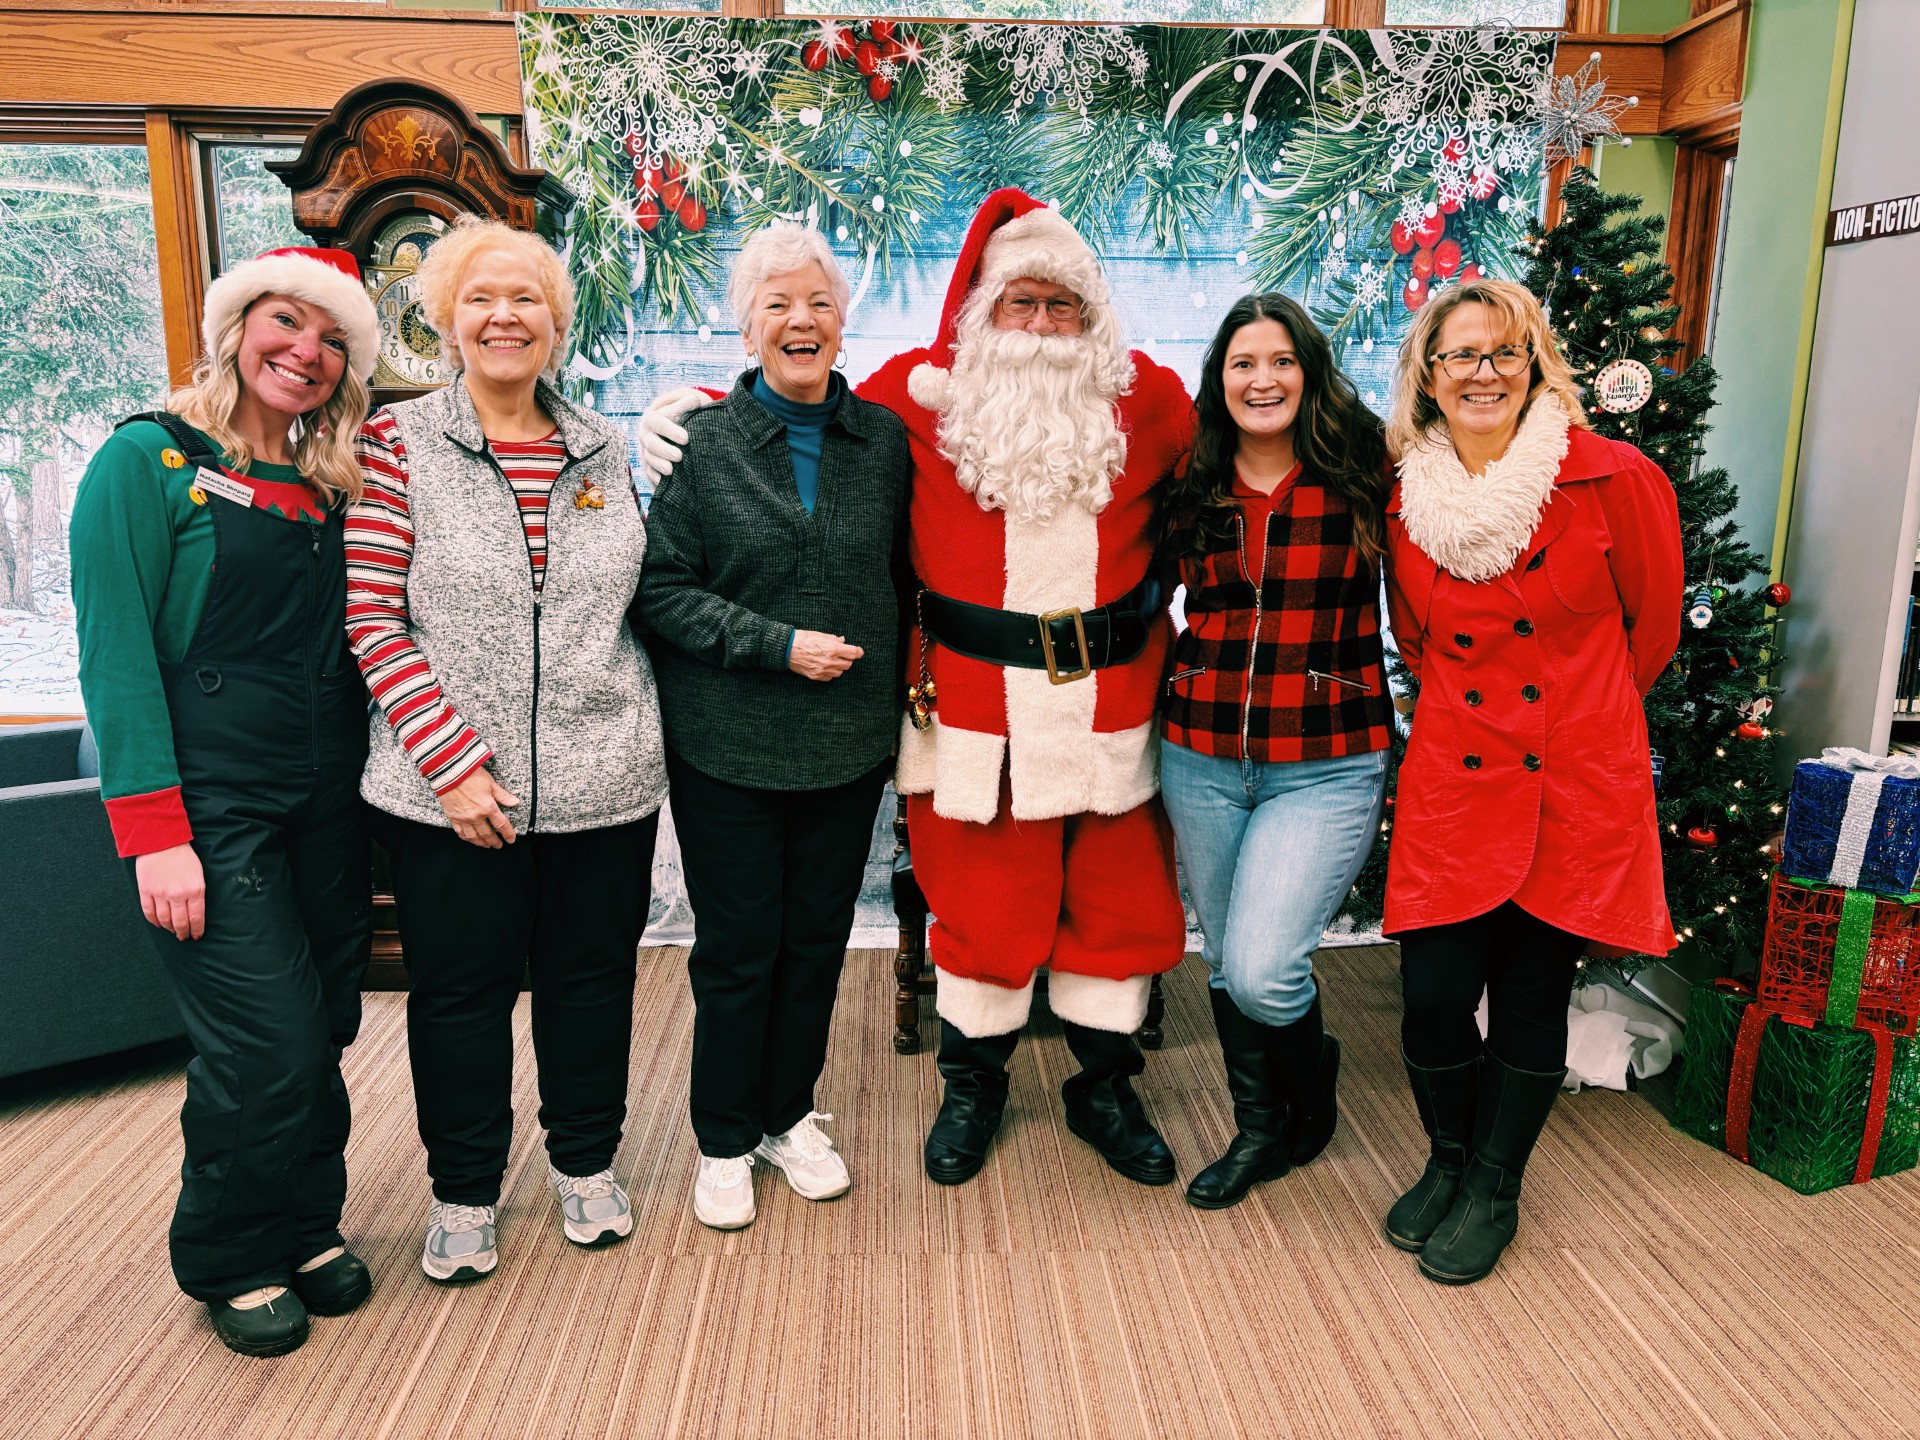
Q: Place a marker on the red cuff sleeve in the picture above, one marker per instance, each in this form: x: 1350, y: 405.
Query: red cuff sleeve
x: 143, y: 824
x: 453, y: 781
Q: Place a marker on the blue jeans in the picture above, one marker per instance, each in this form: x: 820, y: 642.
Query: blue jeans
x: 1269, y: 850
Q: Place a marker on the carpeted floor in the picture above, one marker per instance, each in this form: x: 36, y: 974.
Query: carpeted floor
x: 1657, y: 1289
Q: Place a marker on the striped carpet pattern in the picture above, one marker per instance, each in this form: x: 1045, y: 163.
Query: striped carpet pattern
x: 1657, y: 1289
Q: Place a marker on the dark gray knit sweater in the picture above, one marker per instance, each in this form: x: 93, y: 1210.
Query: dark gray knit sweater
x: 735, y: 565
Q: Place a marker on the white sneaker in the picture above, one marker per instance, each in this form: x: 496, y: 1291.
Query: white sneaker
x: 813, y: 1167
x: 593, y: 1208
x: 460, y: 1243
x: 723, y: 1193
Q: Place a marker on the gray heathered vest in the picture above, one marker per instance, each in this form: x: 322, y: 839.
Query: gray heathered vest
x: 560, y: 691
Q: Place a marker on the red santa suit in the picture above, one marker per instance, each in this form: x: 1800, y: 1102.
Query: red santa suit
x: 1032, y: 806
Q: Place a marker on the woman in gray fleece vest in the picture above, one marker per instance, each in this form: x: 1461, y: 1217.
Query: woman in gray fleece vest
x: 770, y: 595
x: 515, y: 767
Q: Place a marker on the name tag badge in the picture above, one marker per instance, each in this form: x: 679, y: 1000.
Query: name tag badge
x: 225, y: 486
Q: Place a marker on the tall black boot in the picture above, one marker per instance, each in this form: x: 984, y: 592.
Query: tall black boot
x: 1447, y: 1099
x: 1102, y: 1109
x: 975, y: 1070
x: 1306, y: 1061
x: 1514, y: 1105
x: 1259, y: 1149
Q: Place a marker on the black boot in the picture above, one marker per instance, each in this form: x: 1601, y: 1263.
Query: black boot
x: 1514, y: 1105
x: 1306, y: 1061
x: 1102, y: 1109
x: 340, y: 1285
x: 278, y: 1326
x: 976, y: 1095
x: 1259, y: 1150
x: 1447, y: 1099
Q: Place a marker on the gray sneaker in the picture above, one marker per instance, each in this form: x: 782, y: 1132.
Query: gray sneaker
x: 593, y: 1208
x: 460, y: 1241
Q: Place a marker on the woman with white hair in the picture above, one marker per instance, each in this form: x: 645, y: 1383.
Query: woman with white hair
x: 209, y: 581
x: 515, y: 766
x: 770, y: 597
x: 1533, y: 578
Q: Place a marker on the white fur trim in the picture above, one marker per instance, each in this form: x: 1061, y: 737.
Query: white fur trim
x: 1099, y: 1003
x: 959, y: 768
x: 1475, y: 526
x: 1043, y: 245
x: 304, y: 278
x: 976, y: 1008
x: 930, y: 386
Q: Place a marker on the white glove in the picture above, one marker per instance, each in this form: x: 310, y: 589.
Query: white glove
x: 662, y: 435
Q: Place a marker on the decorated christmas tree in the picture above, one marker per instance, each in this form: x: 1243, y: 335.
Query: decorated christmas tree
x: 1600, y: 277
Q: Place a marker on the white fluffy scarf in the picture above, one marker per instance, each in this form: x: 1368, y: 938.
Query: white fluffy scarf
x: 1475, y: 526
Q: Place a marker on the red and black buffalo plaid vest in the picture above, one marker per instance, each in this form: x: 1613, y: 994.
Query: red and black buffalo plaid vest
x: 1281, y: 658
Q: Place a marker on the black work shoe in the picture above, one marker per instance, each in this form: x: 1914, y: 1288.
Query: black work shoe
x: 1447, y: 1099
x: 276, y: 1326
x: 975, y: 1071
x: 1102, y: 1109
x: 335, y: 1288
x: 1513, y: 1110
x: 1306, y: 1062
x: 1259, y: 1149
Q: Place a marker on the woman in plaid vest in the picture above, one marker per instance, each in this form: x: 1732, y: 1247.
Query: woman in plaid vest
x: 1275, y: 725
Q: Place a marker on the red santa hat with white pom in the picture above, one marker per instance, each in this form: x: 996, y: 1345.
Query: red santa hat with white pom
x: 327, y: 278
x: 1012, y: 236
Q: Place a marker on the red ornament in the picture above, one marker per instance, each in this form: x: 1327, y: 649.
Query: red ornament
x: 815, y: 55
x: 1400, y: 238
x: 674, y: 169
x: 1455, y: 150
x: 1423, y: 263
x: 693, y: 214
x: 647, y: 214
x: 879, y: 87
x: 1450, y: 204
x: 1701, y: 837
x: 1429, y: 230
x: 837, y: 38
x: 866, y: 57
x: 881, y: 29
x: 1470, y: 272
x: 1446, y: 258
x: 1415, y: 295
x: 1482, y: 184
x: 1749, y: 731
x: 672, y: 193
x: 1778, y: 594
x: 893, y: 51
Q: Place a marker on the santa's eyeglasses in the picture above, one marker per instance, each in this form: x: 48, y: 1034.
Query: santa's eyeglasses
x: 1025, y: 307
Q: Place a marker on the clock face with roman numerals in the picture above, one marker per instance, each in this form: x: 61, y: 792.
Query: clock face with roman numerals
x: 411, y: 355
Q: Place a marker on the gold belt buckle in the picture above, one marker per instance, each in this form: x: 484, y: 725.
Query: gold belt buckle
x: 1055, y: 674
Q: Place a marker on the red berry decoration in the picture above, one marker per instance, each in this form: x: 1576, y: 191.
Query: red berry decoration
x: 1446, y: 258
x: 674, y: 169
x: 893, y: 51
x: 841, y: 42
x: 1469, y: 272
x: 647, y: 179
x: 647, y: 213
x: 1701, y: 837
x: 1429, y: 230
x: 1423, y: 263
x: 693, y: 214
x: 672, y: 193
x: 1415, y: 295
x: 1454, y: 150
x: 881, y: 29
x: 866, y: 57
x: 634, y: 146
x: 1450, y: 204
x: 1778, y: 594
x: 879, y: 87
x: 1483, y: 184
x: 815, y: 55
x: 1400, y: 238
x: 1749, y: 731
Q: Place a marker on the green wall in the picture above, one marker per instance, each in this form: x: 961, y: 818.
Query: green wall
x: 1644, y: 168
x: 1648, y: 17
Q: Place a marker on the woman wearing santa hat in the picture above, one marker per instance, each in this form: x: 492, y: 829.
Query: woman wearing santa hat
x: 210, y: 584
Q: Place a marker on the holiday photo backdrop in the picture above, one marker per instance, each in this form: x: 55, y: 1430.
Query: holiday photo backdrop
x: 1354, y: 170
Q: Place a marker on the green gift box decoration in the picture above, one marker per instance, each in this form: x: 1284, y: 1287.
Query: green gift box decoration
x: 1812, y: 1104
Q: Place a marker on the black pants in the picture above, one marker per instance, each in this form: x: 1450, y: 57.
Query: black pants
x: 773, y: 876
x: 564, y: 910
x: 1526, y: 967
x: 270, y: 996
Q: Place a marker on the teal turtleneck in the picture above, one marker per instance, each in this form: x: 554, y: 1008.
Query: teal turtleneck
x: 806, y: 430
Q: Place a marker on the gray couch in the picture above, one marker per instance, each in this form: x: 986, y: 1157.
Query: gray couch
x: 78, y: 975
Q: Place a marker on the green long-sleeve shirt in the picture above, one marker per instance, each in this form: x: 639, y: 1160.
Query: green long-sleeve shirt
x: 143, y: 550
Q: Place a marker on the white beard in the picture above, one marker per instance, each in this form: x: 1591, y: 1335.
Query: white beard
x: 1030, y: 425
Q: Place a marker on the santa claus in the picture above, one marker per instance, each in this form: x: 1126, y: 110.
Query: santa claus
x: 1028, y: 758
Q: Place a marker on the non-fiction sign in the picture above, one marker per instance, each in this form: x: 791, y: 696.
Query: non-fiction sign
x: 1873, y: 221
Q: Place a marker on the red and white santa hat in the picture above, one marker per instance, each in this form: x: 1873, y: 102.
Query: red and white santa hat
x: 1012, y: 235
x: 327, y: 278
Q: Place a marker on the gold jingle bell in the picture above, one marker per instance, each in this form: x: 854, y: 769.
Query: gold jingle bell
x: 172, y: 459
x: 919, y: 699
x: 197, y: 495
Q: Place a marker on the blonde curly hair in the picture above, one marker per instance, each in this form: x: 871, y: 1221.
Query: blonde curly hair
x: 323, y: 452
x: 447, y: 262
x: 1515, y: 317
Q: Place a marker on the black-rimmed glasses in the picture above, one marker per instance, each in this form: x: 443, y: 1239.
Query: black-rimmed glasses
x: 1463, y: 364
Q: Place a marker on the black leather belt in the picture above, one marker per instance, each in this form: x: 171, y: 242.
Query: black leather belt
x: 1067, y: 644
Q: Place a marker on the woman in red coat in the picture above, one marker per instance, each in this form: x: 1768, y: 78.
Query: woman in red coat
x: 1534, y: 575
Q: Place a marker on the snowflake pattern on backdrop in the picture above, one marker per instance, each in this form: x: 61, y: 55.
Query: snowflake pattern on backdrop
x: 1062, y: 63
x: 665, y: 81
x: 1467, y: 88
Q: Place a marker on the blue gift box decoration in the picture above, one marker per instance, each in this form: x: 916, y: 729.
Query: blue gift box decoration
x: 1853, y: 819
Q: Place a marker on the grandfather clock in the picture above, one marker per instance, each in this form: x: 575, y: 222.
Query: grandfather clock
x: 382, y: 177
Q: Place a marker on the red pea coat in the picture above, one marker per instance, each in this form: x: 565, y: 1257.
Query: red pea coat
x: 1527, y: 775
